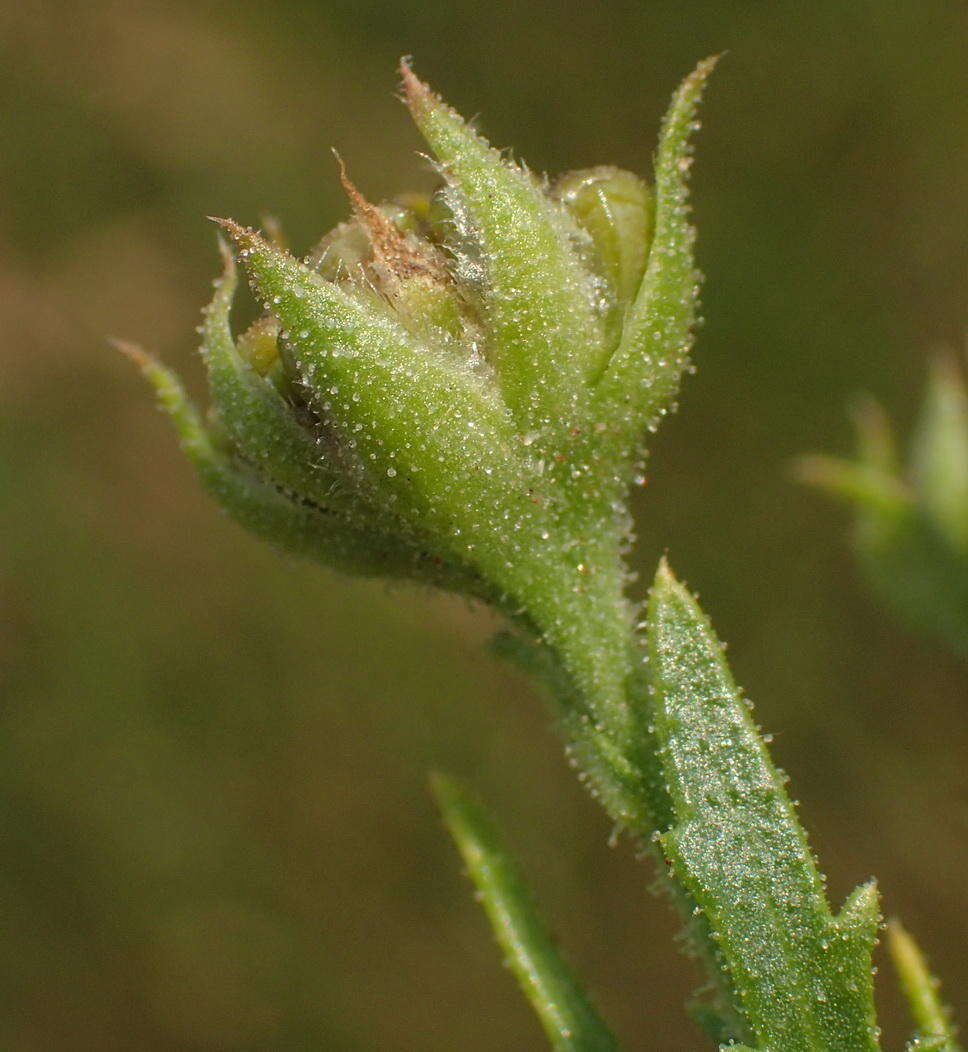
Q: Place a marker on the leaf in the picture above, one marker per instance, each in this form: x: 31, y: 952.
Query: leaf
x: 910, y: 533
x: 538, y: 299
x: 641, y: 379
x: 803, y: 977
x: 921, y: 990
x: 866, y: 486
x: 569, y: 1020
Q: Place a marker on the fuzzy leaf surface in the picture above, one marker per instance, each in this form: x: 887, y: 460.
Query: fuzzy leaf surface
x: 803, y: 976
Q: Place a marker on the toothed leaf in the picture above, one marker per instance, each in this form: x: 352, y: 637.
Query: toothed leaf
x: 802, y: 975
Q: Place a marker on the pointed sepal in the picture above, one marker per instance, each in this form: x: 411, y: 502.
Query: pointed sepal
x: 263, y: 427
x: 640, y: 381
x: 421, y: 423
x: 296, y: 527
x: 538, y: 300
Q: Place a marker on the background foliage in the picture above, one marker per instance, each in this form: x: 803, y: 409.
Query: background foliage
x: 212, y: 763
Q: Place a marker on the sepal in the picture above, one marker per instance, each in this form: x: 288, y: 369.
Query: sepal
x: 640, y: 380
x: 538, y: 302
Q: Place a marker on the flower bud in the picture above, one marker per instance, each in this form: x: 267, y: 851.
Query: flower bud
x: 454, y: 389
x: 616, y: 211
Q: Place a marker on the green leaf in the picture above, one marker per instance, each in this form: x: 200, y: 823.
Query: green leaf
x: 921, y: 990
x: 910, y: 533
x: 803, y: 976
x: 867, y: 486
x: 538, y: 300
x: 641, y: 379
x: 569, y: 1020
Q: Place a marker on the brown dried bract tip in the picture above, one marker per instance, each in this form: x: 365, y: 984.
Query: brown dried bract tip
x: 415, y: 92
x: 243, y: 236
x: 392, y: 249
x: 134, y: 351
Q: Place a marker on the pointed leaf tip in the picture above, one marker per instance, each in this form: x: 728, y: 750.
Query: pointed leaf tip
x: 133, y: 351
x: 415, y: 92
x: 664, y: 577
x: 921, y: 991
x: 243, y: 236
x: 641, y: 378
x: 736, y: 841
x: 538, y: 302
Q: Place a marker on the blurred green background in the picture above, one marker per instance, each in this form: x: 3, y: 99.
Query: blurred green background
x: 216, y: 833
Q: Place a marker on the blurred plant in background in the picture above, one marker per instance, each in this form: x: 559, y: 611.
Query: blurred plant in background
x: 911, y: 529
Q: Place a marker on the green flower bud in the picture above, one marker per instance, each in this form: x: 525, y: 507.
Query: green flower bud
x: 615, y: 209
x: 455, y: 389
